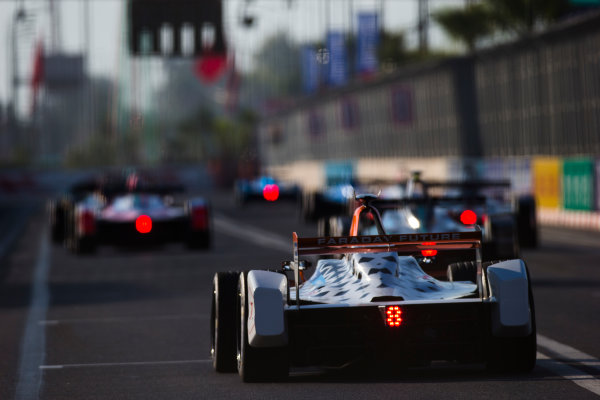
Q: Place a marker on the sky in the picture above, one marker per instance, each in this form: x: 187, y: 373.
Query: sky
x: 303, y: 20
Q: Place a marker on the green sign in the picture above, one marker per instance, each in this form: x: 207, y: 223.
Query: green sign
x: 578, y: 184
x: 585, y: 2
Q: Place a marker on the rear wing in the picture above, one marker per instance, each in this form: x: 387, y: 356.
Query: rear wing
x: 410, y: 242
x: 386, y: 204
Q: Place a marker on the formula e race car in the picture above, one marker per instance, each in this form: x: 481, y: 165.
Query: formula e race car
x: 102, y: 186
x: 264, y: 188
x: 431, y: 206
x: 132, y: 219
x: 376, y: 306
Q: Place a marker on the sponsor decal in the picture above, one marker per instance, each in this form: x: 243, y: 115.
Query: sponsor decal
x: 388, y: 238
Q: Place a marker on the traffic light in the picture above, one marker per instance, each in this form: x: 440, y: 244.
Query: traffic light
x: 178, y: 28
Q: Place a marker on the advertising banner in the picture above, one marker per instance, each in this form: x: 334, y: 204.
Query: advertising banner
x: 402, y: 105
x: 338, y: 68
x: 547, y: 179
x: 578, y: 184
x: 310, y: 70
x: 367, y: 42
x: 339, y: 172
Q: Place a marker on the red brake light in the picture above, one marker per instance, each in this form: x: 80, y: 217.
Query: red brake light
x: 87, y: 224
x: 143, y: 224
x: 429, y: 252
x: 468, y: 217
x: 393, y: 316
x: 271, y: 192
x: 199, y: 218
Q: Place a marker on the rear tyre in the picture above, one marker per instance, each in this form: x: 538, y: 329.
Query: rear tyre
x: 223, y: 321
x: 465, y: 270
x: 515, y: 355
x: 526, y: 221
x: 256, y: 364
x: 57, y: 222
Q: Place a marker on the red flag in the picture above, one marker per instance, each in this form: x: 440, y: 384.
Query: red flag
x: 37, y: 75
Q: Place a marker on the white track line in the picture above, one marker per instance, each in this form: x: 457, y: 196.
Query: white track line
x: 123, y: 364
x: 33, y: 345
x: 567, y: 353
x: 252, y: 234
x: 578, y: 377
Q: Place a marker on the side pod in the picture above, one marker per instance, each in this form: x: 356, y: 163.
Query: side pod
x: 511, y: 315
x: 267, y: 293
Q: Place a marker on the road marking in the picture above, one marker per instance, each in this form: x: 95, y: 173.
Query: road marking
x: 54, y: 322
x: 252, y: 234
x: 123, y: 364
x: 578, y: 377
x: 33, y: 345
x: 567, y: 353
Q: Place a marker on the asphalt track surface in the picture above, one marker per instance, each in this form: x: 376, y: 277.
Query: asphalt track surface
x: 126, y: 324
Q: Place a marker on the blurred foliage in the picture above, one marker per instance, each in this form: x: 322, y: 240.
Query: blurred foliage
x: 392, y: 50
x: 276, y: 73
x: 206, y: 136
x: 182, y: 94
x: 481, y: 20
x: 466, y: 25
x: 522, y: 16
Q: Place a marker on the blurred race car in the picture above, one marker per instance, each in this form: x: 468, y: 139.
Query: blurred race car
x: 137, y: 219
x: 60, y: 208
x: 337, y: 199
x: 502, y: 207
x: 106, y: 208
x: 330, y: 201
x: 264, y: 188
x: 376, y: 306
x: 427, y: 206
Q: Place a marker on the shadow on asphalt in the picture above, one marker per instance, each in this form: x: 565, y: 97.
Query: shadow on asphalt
x: 439, y: 374
x: 81, y: 293
x: 565, y: 283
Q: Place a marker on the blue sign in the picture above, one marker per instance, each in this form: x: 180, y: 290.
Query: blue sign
x: 368, y: 40
x: 402, y: 112
x: 338, y: 68
x: 310, y: 70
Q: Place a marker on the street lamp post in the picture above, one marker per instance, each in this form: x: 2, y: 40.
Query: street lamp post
x: 15, y: 81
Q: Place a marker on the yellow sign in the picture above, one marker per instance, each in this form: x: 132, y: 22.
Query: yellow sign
x: 547, y: 178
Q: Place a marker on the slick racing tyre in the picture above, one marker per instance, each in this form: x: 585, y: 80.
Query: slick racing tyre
x: 465, y: 271
x: 526, y: 221
x: 518, y: 354
x: 223, y: 321
x: 256, y: 364
x: 57, y: 221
